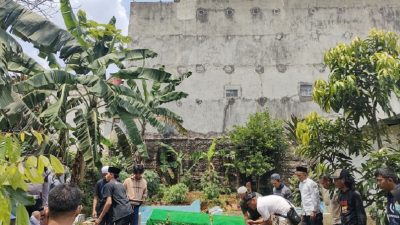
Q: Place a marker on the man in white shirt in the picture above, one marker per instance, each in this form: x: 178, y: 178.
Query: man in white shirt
x: 268, y: 206
x: 310, y: 199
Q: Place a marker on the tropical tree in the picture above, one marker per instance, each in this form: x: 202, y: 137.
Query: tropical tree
x: 261, y: 143
x: 363, y: 77
x: 16, y: 171
x: 333, y: 143
x: 34, y: 96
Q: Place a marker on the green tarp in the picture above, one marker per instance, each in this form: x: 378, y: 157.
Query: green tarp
x: 164, y: 217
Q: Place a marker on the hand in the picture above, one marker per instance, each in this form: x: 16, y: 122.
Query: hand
x: 313, y: 216
x: 97, y: 222
x: 94, y: 214
x: 250, y: 222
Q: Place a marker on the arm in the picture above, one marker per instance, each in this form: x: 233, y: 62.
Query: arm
x: 107, y: 207
x: 259, y: 221
x: 95, y: 201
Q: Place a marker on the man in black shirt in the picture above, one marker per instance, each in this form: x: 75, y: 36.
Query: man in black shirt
x: 388, y: 181
x: 352, y: 211
x: 116, y: 200
x: 98, y: 199
x: 248, y: 213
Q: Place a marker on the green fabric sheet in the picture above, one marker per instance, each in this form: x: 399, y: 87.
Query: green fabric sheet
x: 168, y: 217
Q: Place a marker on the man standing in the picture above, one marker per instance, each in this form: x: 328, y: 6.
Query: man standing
x: 352, y: 211
x: 268, y: 206
x: 310, y: 200
x: 331, y: 199
x: 98, y: 199
x: 64, y: 205
x: 136, y: 188
x: 248, y: 213
x: 116, y: 200
x: 280, y: 188
x: 388, y: 181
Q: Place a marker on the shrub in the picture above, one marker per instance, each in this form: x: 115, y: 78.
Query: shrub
x: 210, y: 183
x: 153, y: 182
x: 176, y: 193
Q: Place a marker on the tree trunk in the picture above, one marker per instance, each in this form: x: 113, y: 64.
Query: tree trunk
x: 258, y: 183
x: 78, y: 167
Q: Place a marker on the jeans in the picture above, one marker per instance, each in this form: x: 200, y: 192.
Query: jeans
x: 135, y: 217
x: 318, y: 220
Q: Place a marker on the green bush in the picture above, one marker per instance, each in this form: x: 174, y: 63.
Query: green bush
x: 210, y: 183
x: 153, y: 182
x: 176, y: 193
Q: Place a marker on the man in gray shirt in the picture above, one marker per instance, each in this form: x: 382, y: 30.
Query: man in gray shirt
x: 280, y: 188
x: 116, y: 200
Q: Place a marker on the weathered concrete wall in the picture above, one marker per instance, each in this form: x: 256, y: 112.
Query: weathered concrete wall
x: 264, y: 49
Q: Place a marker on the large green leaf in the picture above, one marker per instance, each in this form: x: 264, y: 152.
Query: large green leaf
x: 52, y: 114
x: 142, y: 73
x: 50, y: 80
x: 88, y: 135
x: 16, y: 112
x: 33, y: 28
x: 71, y: 22
x: 133, y: 132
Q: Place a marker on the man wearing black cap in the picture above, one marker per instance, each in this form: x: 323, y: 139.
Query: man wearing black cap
x: 388, y: 181
x: 352, y: 211
x: 310, y: 200
x: 116, y: 199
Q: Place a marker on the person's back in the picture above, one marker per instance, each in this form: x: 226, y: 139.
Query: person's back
x: 271, y: 205
x: 64, y: 204
x: 120, y: 202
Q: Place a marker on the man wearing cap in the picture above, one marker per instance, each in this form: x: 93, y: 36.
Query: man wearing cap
x: 330, y: 198
x: 98, y: 199
x: 388, y: 181
x: 280, y: 188
x: 352, y: 211
x: 136, y: 188
x: 268, y: 206
x: 116, y: 200
x: 310, y: 200
x: 248, y: 213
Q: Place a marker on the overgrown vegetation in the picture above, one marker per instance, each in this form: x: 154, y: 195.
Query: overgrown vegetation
x: 363, y: 78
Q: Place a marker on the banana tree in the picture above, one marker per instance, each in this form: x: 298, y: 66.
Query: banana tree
x: 44, y: 98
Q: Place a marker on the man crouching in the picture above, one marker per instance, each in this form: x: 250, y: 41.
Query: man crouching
x: 269, y: 206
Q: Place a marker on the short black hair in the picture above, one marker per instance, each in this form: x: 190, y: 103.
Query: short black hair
x: 138, y: 169
x: 64, y: 198
x: 387, y: 173
x: 325, y: 177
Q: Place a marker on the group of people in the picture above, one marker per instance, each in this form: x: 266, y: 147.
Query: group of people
x: 118, y: 203
x: 337, y: 191
x: 114, y: 202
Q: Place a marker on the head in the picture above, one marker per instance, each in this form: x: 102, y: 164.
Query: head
x: 65, y: 202
x: 276, y: 180
x: 113, y: 173
x: 325, y: 181
x: 242, y: 191
x: 386, y: 179
x: 343, y: 179
x: 251, y: 200
x: 301, y: 173
x: 104, y: 171
x: 248, y: 186
x: 138, y: 171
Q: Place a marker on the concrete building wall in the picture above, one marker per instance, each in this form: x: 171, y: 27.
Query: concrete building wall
x: 265, y: 49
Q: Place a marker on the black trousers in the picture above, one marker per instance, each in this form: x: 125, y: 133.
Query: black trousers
x: 318, y: 220
x: 127, y: 220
